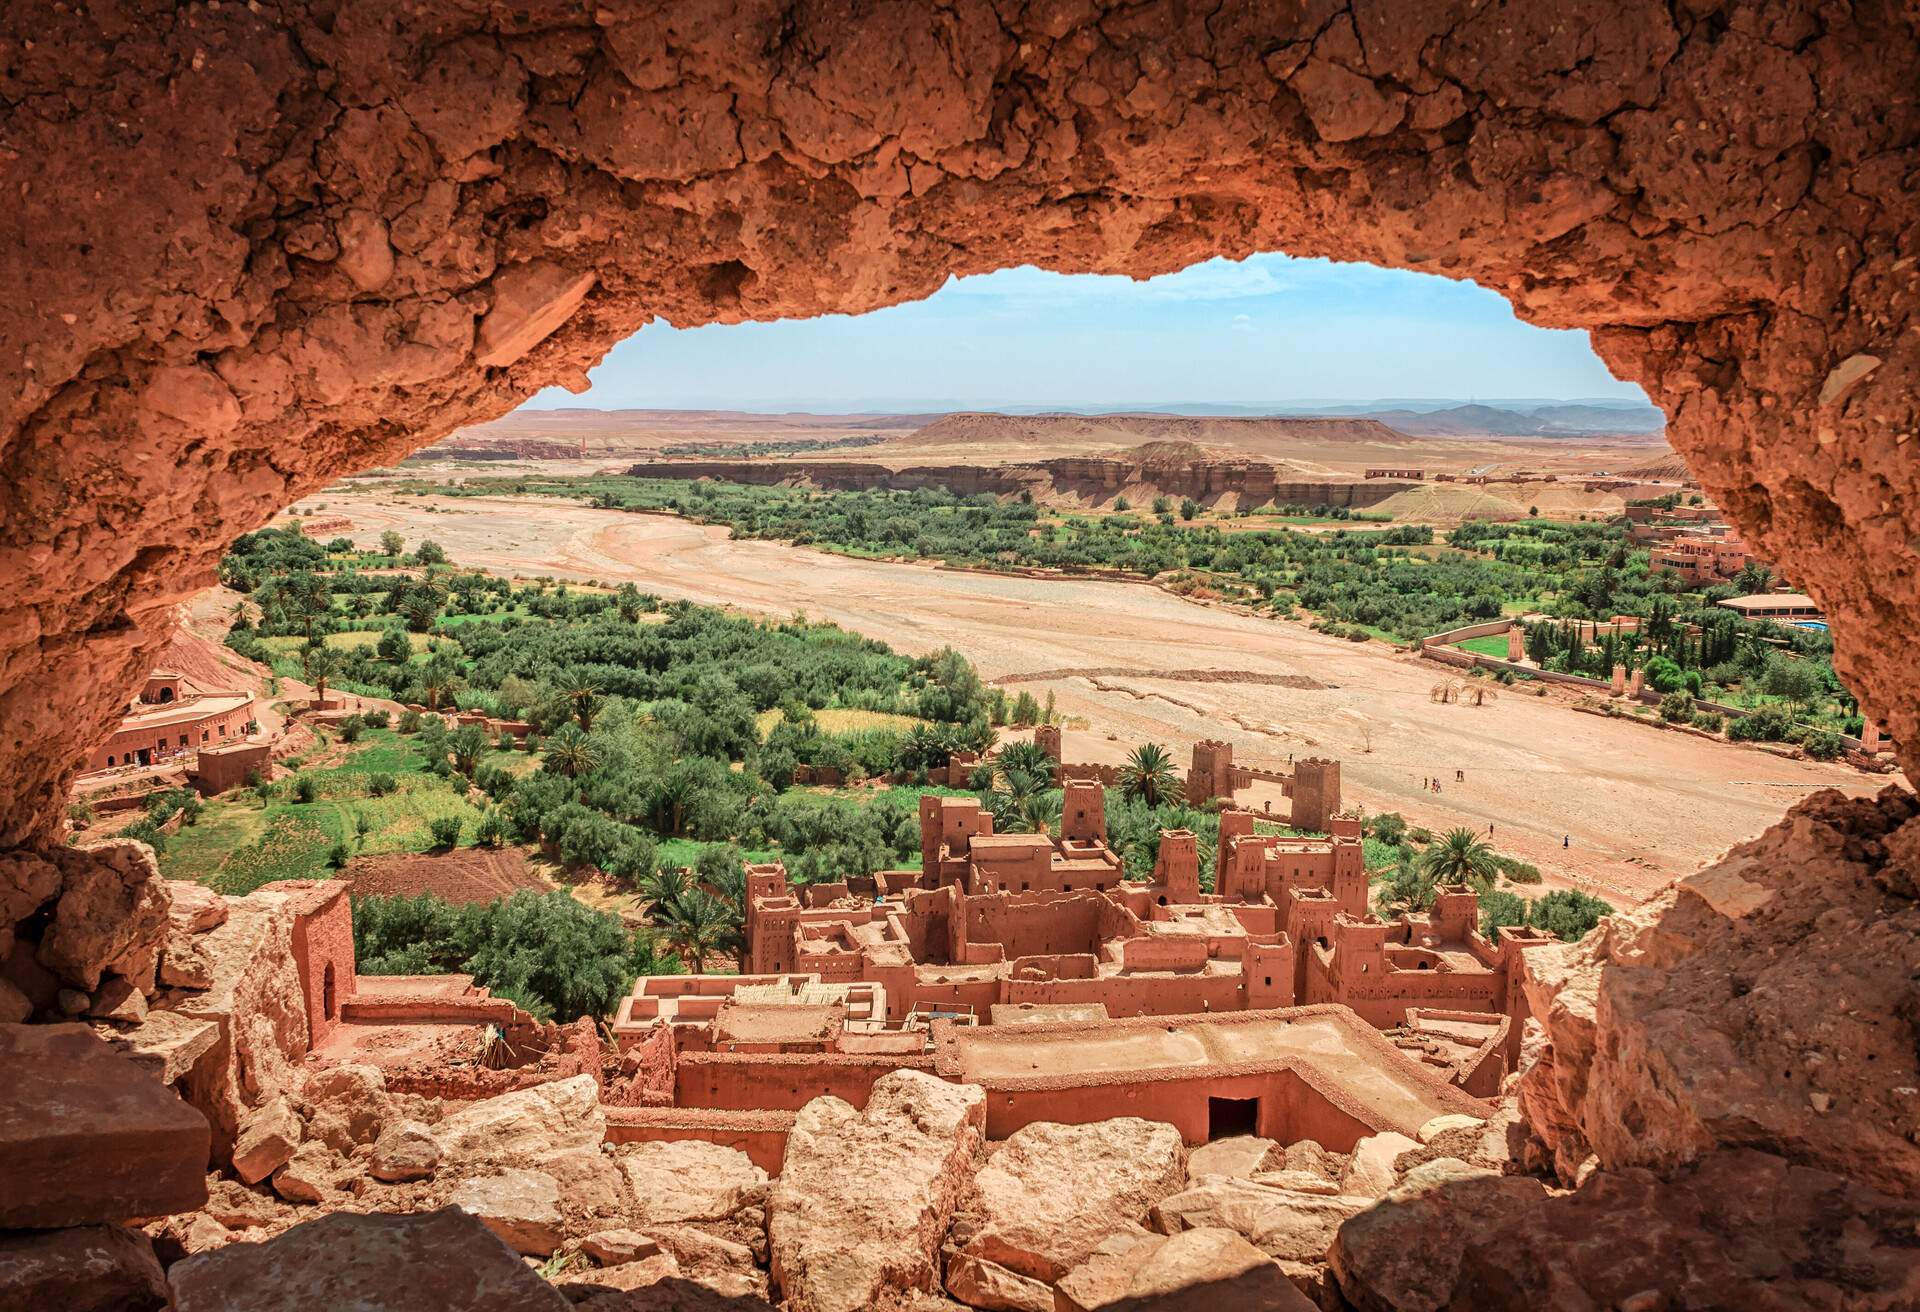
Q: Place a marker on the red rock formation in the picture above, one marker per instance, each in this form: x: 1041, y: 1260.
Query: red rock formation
x: 1767, y: 1001
x: 249, y: 250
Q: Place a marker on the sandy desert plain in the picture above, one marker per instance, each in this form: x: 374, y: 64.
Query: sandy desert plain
x: 1604, y: 805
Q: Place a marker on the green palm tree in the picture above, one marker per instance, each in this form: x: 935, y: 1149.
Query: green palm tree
x: 1039, y: 813
x: 1149, y: 775
x: 1029, y: 758
x: 321, y: 663
x: 695, y: 925
x: 1460, y: 857
x: 662, y: 889
x: 571, y: 753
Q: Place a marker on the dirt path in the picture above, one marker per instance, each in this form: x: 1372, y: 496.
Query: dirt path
x: 1634, y: 806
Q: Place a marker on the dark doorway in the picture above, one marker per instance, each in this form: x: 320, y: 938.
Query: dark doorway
x: 146, y: 756
x: 1228, y: 1117
x: 327, y: 1007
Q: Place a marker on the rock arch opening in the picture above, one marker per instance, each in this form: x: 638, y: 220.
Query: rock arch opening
x: 249, y: 249
x: 259, y: 250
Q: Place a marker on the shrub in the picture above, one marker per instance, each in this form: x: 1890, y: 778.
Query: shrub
x: 1676, y: 708
x: 409, y: 722
x: 1823, y: 745
x: 377, y: 719
x: 351, y: 728
x: 79, y: 815
x: 146, y: 831
x: 445, y: 831
x: 1769, y: 724
x: 305, y: 789
x: 379, y: 785
x: 1390, y: 827
x: 1710, y: 721
x: 491, y: 831
x: 337, y: 856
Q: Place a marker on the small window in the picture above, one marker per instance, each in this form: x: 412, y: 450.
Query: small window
x: 223, y: 731
x: 1269, y: 981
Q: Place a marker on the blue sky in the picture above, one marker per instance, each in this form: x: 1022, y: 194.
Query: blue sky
x: 1264, y: 331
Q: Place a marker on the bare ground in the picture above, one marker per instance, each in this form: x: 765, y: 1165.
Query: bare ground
x: 1608, y: 806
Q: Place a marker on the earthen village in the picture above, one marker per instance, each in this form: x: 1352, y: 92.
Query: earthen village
x: 458, y: 856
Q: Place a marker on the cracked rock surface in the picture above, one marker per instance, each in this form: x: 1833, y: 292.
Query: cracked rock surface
x: 251, y: 248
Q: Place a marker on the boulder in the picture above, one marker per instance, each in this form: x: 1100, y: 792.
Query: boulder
x: 1241, y: 1155
x: 444, y: 1261
x: 15, y: 1006
x: 1370, y: 1170
x: 193, y: 908
x: 88, y: 1136
x: 119, y: 1001
x: 717, y: 1263
x: 671, y: 1294
x: 689, y: 1180
x: 204, y: 1234
x: 186, y: 963
x: 1440, y: 1125
x: 1282, y: 1223
x: 1765, y: 1001
x: 1193, y: 1271
x: 612, y: 1247
x: 405, y: 1150
x: 347, y: 1105
x: 522, y: 1207
x: 983, y: 1284
x: 1308, y: 1156
x: 309, y: 1175
x: 1741, y: 1229
x: 111, y: 915
x: 864, y: 1197
x: 519, y: 1127
x: 165, y: 1043
x: 624, y: 1277
x: 1052, y: 1192
x: 96, y: 1268
x: 267, y: 1140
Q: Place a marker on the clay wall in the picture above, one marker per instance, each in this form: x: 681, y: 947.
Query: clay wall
x: 216, y: 769
x: 1316, y: 793
x: 166, y: 741
x: 780, y: 1082
x: 1083, y: 811
x: 1127, y: 995
x: 1046, y: 924
x: 1269, y: 971
x: 1164, y: 952
x: 1290, y: 1109
x: 648, y: 1063
x: 322, y: 951
x: 1176, y: 866
x: 761, y: 1135
x: 1051, y: 739
x: 1013, y: 863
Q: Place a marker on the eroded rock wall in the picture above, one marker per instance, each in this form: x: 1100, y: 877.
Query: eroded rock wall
x: 249, y: 248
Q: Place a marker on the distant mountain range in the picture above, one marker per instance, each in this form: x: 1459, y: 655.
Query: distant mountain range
x: 1415, y: 416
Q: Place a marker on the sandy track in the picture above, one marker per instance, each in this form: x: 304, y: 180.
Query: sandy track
x: 1637, y: 806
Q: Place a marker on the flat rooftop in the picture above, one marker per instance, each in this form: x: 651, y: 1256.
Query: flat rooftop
x: 1349, y: 1062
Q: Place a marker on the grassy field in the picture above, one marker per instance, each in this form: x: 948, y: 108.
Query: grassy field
x: 352, y: 641
x: 832, y: 721
x: 243, y: 841
x: 1493, y: 645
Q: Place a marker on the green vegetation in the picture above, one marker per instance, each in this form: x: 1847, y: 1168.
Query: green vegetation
x: 1396, y: 583
x: 546, y: 952
x: 658, y: 730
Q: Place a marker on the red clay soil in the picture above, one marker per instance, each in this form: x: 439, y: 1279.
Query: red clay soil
x: 466, y: 875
